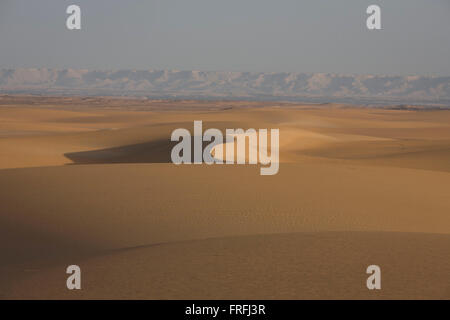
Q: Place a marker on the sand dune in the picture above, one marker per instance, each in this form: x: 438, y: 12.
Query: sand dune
x: 156, y: 203
x: 83, y: 184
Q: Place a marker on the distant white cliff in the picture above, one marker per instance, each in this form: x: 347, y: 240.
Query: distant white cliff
x: 263, y: 86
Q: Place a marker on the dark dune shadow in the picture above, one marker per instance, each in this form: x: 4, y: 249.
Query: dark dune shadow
x: 158, y: 151
x: 147, y: 152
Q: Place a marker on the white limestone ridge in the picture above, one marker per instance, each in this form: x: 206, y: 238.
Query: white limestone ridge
x: 225, y: 84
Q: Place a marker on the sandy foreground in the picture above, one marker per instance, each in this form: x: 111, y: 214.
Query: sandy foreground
x: 89, y: 181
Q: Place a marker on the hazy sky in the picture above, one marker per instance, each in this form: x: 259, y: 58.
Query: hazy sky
x: 232, y: 35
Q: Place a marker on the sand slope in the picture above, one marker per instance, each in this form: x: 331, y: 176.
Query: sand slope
x: 285, y: 266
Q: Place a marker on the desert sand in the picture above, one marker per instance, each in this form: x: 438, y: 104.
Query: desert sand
x: 88, y: 181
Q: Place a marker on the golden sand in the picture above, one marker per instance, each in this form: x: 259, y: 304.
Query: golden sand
x: 89, y: 182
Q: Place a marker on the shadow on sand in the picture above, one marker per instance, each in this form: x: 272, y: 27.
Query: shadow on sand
x: 158, y: 151
x: 147, y: 152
